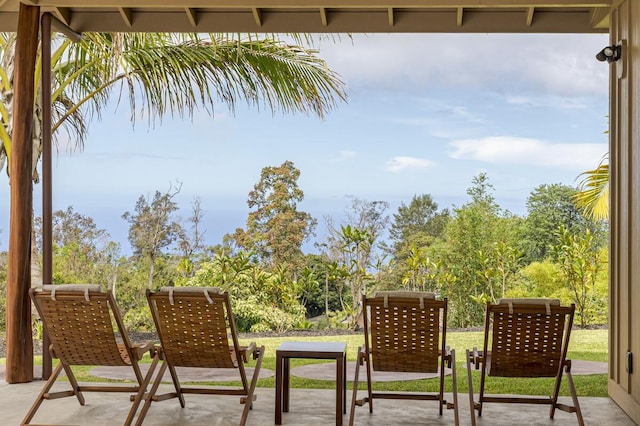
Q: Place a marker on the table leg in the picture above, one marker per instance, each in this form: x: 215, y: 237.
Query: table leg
x: 278, y: 389
x: 344, y: 382
x: 285, y: 385
x: 340, y: 382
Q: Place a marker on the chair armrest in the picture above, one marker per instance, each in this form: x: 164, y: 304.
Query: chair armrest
x: 447, y: 356
x: 362, y: 355
x: 476, y: 357
x: 245, y: 351
x: 141, y: 348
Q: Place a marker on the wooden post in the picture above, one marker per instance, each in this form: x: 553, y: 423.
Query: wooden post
x: 19, y: 368
x: 47, y: 199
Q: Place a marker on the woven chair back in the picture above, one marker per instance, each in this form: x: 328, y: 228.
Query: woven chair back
x: 81, y: 331
x: 528, y: 340
x: 193, y: 329
x: 404, y: 333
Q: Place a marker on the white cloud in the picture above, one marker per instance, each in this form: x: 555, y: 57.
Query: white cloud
x: 343, y: 156
x: 512, y: 150
x: 401, y: 164
x: 552, y: 64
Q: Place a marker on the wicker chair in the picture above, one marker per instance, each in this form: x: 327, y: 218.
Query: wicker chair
x: 80, y: 321
x: 529, y: 338
x: 405, y: 332
x: 196, y: 329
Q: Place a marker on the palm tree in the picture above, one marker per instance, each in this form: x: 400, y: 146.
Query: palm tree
x: 169, y: 74
x: 163, y: 74
x: 594, y: 191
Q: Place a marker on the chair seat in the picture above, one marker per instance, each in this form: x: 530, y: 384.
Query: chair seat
x: 188, y: 340
x: 80, y: 321
x: 404, y: 332
x: 524, y: 338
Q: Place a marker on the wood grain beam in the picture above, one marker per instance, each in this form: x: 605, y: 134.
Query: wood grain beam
x: 192, y: 15
x: 329, y: 4
x: 323, y: 17
x: 257, y: 16
x: 127, y: 15
x: 63, y: 14
x: 530, y: 12
x: 599, y: 15
x: 19, y: 365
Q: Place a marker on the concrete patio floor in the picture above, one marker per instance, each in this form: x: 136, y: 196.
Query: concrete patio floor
x: 308, y: 407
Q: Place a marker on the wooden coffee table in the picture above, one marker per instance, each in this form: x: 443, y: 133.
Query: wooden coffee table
x: 312, y: 350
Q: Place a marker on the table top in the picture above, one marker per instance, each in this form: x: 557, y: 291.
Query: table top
x: 313, y: 347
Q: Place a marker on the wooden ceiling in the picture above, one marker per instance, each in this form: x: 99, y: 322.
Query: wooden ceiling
x: 323, y: 16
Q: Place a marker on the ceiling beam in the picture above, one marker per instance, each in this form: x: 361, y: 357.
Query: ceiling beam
x: 530, y: 13
x: 323, y: 17
x: 127, y: 15
x: 63, y: 14
x: 599, y: 15
x: 349, y: 16
x: 159, y: 4
x: 257, y: 15
x: 192, y: 15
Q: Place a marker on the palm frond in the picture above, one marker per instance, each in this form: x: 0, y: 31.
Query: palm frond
x: 593, y: 195
x: 176, y: 78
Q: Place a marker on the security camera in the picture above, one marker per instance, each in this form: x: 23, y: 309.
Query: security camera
x: 609, y: 54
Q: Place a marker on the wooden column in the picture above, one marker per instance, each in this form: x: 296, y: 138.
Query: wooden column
x: 47, y: 199
x: 624, y: 251
x: 19, y: 368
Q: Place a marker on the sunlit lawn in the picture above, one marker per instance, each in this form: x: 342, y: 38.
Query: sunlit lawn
x: 589, y: 345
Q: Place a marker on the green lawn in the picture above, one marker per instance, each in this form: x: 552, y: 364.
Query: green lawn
x: 590, y: 345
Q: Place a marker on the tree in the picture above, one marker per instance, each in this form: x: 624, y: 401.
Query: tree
x: 415, y: 227
x: 262, y: 300
x: 152, y: 227
x: 580, y: 261
x: 473, y: 231
x: 191, y: 245
x: 363, y: 216
x: 169, y: 73
x: 419, y: 222
x: 276, y: 229
x: 550, y: 206
x: 82, y: 253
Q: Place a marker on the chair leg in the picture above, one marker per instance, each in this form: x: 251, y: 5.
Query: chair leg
x: 556, y: 390
x: 141, y: 391
x: 73, y: 382
x: 369, y: 390
x: 354, y: 395
x: 41, y: 396
x: 176, y: 384
x: 454, y: 387
x: 470, y: 384
x: 574, y: 397
x: 254, y: 380
x: 445, y: 359
x: 152, y: 392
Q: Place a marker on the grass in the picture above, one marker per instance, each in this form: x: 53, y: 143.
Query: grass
x: 588, y: 345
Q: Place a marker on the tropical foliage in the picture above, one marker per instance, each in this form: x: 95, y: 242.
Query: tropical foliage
x: 480, y: 255
x: 594, y: 191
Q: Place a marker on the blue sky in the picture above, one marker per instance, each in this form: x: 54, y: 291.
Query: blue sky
x: 426, y: 113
